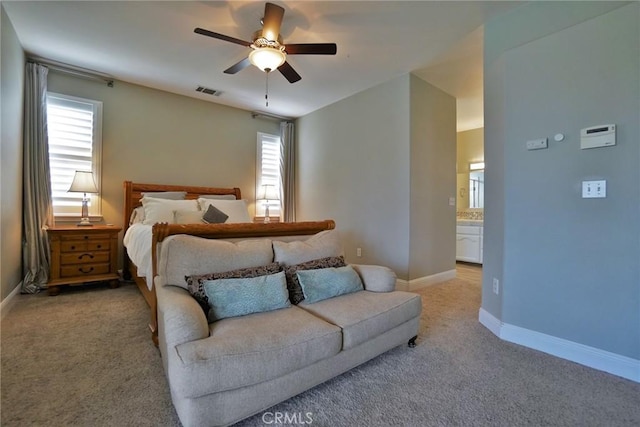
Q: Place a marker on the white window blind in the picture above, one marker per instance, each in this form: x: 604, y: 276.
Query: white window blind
x: 268, y: 171
x: 74, y: 131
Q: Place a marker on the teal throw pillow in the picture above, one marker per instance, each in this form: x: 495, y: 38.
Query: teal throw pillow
x: 241, y: 296
x: 324, y: 283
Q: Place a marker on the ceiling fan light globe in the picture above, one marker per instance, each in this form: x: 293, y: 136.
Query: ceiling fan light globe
x: 267, y: 58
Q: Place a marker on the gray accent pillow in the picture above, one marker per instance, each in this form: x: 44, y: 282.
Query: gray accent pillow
x: 325, y: 283
x: 195, y: 283
x: 242, y: 296
x: 171, y: 195
x: 218, y: 196
x: 214, y: 215
x: 293, y: 284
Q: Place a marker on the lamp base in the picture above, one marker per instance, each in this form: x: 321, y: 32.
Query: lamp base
x: 84, y: 222
x: 267, y: 219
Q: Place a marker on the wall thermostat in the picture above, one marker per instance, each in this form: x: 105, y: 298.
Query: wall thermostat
x: 598, y: 136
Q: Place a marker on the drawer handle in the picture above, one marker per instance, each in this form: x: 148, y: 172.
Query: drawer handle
x: 86, y: 237
x: 99, y: 246
x: 84, y: 255
x: 73, y: 247
x: 85, y: 272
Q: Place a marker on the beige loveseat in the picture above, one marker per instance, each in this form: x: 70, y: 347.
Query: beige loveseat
x: 222, y: 371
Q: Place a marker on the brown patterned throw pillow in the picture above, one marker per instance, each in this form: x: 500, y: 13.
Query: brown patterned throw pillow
x: 293, y: 285
x: 194, y: 283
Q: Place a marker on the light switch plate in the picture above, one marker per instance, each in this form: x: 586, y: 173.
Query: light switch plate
x: 594, y: 189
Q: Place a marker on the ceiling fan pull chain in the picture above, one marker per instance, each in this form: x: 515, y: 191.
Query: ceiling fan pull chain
x: 266, y: 93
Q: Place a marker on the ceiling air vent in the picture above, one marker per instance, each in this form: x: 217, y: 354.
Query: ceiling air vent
x: 208, y: 91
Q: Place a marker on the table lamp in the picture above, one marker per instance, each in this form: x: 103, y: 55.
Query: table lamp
x: 83, y: 183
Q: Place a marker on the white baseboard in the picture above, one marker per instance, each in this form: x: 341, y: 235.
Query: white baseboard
x: 8, y: 302
x: 423, y: 282
x: 592, y: 357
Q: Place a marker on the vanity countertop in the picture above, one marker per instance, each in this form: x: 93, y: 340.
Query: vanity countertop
x: 477, y: 222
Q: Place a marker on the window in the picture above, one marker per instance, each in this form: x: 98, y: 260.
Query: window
x: 268, y: 171
x: 75, y: 141
x: 476, y: 185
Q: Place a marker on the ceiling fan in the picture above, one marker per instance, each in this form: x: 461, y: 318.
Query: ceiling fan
x: 267, y: 49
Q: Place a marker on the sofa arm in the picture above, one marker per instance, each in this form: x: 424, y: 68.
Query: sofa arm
x: 376, y: 278
x: 180, y: 317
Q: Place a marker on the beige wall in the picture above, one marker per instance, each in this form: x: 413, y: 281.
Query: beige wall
x: 11, y: 95
x: 433, y: 180
x: 470, y: 148
x: 153, y: 136
x: 382, y: 164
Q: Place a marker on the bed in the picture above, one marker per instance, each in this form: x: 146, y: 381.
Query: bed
x: 141, y: 239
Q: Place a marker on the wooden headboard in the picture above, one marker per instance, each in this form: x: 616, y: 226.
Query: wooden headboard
x: 133, y: 193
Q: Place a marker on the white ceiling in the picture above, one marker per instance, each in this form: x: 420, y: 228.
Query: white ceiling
x: 152, y: 43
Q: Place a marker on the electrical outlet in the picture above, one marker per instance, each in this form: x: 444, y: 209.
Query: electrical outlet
x: 359, y: 252
x: 496, y: 286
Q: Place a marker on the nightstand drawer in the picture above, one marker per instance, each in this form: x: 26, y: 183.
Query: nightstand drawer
x: 84, y: 258
x: 83, y: 246
x: 83, y: 270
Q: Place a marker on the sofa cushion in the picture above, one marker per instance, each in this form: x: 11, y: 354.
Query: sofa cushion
x: 195, y: 283
x: 293, y: 284
x: 183, y: 255
x: 364, y: 315
x: 242, y: 296
x: 246, y: 350
x: 324, y: 283
x: 321, y: 245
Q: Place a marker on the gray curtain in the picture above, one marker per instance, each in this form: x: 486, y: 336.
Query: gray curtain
x: 36, y: 192
x: 287, y: 171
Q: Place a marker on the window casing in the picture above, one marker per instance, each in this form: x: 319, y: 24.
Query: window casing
x: 268, y: 171
x: 75, y: 143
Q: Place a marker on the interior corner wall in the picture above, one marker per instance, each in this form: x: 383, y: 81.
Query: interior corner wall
x: 353, y: 167
x: 570, y: 265
x: 152, y: 136
x: 11, y: 90
x: 433, y: 180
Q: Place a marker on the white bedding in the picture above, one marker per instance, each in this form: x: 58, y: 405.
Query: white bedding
x: 137, y: 240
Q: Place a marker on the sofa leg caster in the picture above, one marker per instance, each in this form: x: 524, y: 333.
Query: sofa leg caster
x: 412, y: 342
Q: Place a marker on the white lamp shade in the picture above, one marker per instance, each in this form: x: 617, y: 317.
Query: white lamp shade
x: 83, y: 183
x: 267, y: 58
x: 268, y: 192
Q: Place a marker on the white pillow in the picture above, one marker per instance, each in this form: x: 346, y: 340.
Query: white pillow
x: 236, y: 209
x: 137, y: 215
x: 161, y: 210
x: 187, y: 217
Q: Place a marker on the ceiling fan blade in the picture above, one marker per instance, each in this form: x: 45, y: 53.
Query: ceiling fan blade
x: 219, y: 36
x: 311, y: 49
x: 271, y: 22
x: 238, y: 67
x: 289, y: 73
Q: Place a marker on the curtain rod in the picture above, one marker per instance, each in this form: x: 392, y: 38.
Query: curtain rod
x: 73, y: 70
x: 256, y: 114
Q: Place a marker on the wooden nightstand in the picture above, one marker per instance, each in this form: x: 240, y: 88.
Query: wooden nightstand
x: 83, y: 254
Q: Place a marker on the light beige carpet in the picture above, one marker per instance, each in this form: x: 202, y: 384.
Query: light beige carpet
x: 84, y: 358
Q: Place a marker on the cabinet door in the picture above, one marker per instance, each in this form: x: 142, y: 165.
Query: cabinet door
x: 468, y: 248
